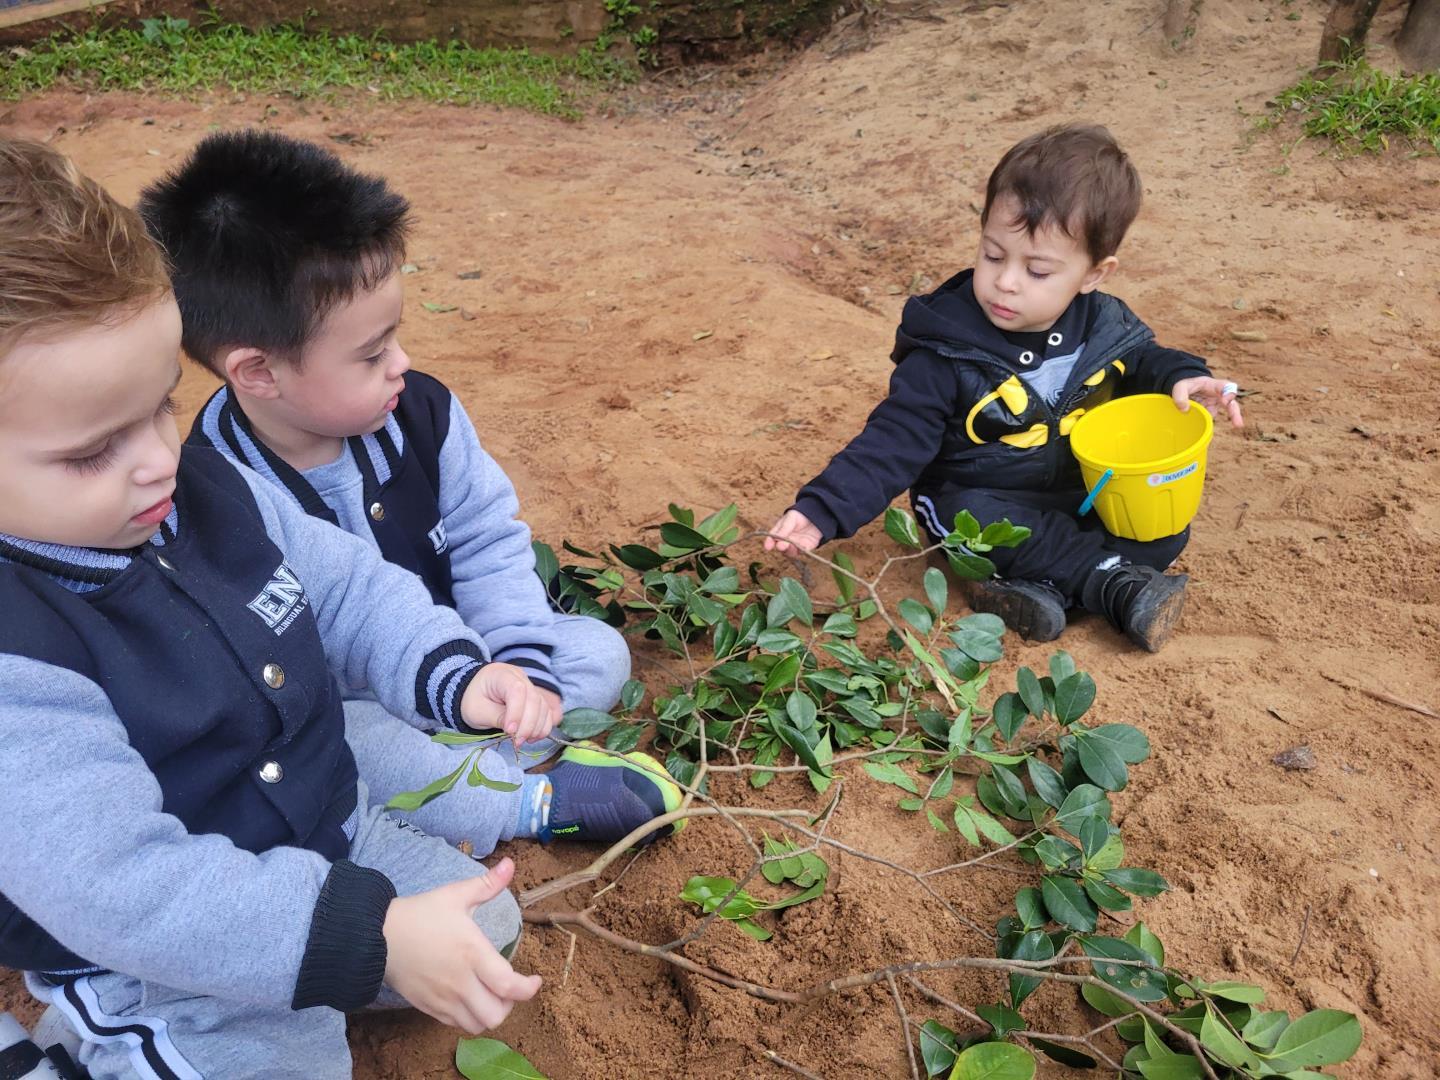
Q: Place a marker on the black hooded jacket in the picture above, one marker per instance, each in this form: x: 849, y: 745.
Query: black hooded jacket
x: 972, y: 407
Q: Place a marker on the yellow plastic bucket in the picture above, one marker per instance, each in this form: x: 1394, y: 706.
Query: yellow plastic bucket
x: 1157, y: 456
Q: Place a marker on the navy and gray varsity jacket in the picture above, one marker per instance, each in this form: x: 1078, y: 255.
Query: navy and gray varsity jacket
x: 179, y: 799
x: 972, y: 407
x: 424, y: 492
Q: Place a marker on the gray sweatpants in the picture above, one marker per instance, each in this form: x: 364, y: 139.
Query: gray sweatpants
x: 129, y: 1028
x: 591, y: 662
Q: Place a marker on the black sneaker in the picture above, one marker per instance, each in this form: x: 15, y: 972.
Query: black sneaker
x: 1033, y: 609
x: 1141, y: 602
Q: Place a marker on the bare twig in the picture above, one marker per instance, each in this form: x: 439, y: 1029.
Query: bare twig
x: 904, y: 1026
x: 771, y: 1055
x: 1381, y: 695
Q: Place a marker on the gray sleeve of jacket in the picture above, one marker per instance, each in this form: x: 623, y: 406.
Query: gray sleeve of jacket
x: 92, y: 857
x: 495, y: 586
x: 378, y: 624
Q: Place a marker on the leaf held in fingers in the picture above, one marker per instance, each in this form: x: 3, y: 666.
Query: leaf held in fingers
x: 587, y: 723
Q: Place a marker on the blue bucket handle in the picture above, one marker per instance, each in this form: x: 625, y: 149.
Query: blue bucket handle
x: 1095, y: 491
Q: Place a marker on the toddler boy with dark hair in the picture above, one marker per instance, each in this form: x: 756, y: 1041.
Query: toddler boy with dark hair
x: 286, y: 264
x: 992, y: 371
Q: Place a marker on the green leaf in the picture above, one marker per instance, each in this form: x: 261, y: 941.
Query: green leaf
x: 1235, y: 991
x: 461, y: 738
x: 1105, y: 897
x: 1140, y: 936
x: 1142, y: 983
x: 1031, y: 908
x: 1264, y: 1029
x: 958, y: 735
x: 1001, y: 759
x: 795, y: 739
x: 413, y: 800
x: 889, y: 773
x: 491, y: 1059
x: 683, y: 537
x: 1047, y: 782
x: 978, y: 645
x: 1002, y: 1018
x: 989, y: 827
x: 715, y: 525
x: 965, y: 824
x: 994, y: 1061
x: 638, y: 557
x: 943, y: 783
x: 1062, y: 666
x: 935, y: 822
x: 1083, y: 802
x: 790, y: 601
x: 1004, y: 534
x: 968, y: 566
x: 1012, y: 792
x: 1067, y: 903
x: 843, y: 582
x: 1135, y: 880
x: 1178, y: 1067
x: 1063, y: 1054
x: 587, y: 723
x: 546, y: 565
x: 624, y: 738
x: 900, y: 526
x: 778, y: 640
x: 682, y: 514
x: 936, y: 589
x: 1101, y: 763
x: 983, y: 622
x: 1105, y: 1002
x: 1009, y: 714
x: 966, y: 527
x: 479, y: 779
x: 1033, y: 945
x: 1321, y: 1037
x: 916, y: 614
x: 782, y: 675
x: 1073, y: 697
x: 709, y: 892
x: 1217, y: 1038
x: 937, y: 1047
x: 841, y: 624
x: 1031, y: 692
x: 1128, y: 743
x: 800, y: 708
x: 754, y: 929
x: 631, y: 694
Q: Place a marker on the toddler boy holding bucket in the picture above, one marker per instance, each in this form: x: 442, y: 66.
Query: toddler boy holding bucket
x: 993, y: 369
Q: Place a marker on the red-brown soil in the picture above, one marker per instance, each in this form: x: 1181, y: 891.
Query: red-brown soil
x: 786, y: 213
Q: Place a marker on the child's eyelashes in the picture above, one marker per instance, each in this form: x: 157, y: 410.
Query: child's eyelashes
x: 1039, y: 275
x: 94, y: 463
x: 169, y: 406
x: 377, y: 357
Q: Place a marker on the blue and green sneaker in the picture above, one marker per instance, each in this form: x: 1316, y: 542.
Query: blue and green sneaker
x: 600, y: 796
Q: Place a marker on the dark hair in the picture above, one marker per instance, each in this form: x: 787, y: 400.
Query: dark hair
x: 1074, y: 177
x: 266, y: 235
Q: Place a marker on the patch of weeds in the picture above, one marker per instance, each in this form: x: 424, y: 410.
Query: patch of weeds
x: 169, y: 54
x: 1360, y: 109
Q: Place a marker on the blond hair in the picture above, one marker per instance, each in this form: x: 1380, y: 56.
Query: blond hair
x: 70, y: 255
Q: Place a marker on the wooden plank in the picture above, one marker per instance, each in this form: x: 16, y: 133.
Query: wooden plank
x: 28, y: 13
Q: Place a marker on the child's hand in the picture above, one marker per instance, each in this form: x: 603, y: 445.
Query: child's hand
x: 441, y: 962
x: 793, y: 530
x: 502, y: 696
x: 1215, y: 394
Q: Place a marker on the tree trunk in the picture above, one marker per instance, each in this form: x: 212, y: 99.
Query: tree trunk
x: 1345, y: 29
x: 1419, y: 40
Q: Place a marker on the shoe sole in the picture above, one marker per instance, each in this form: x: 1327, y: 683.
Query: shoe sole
x: 636, y: 761
x: 1022, y: 614
x: 1160, y: 616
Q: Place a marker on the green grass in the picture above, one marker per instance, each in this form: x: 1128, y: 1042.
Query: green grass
x: 1360, y: 109
x: 170, y: 55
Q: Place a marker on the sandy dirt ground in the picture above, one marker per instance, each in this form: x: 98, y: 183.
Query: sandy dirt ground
x: 783, y: 213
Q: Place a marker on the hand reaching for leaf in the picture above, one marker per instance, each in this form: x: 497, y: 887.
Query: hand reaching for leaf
x: 794, y: 531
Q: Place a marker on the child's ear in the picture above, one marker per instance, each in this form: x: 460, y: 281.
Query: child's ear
x: 248, y: 371
x: 1098, y: 273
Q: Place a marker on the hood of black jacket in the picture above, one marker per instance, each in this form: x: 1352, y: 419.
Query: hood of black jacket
x: 951, y: 316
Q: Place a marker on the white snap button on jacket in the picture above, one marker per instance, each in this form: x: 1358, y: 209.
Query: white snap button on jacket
x: 271, y: 772
x: 274, y: 676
